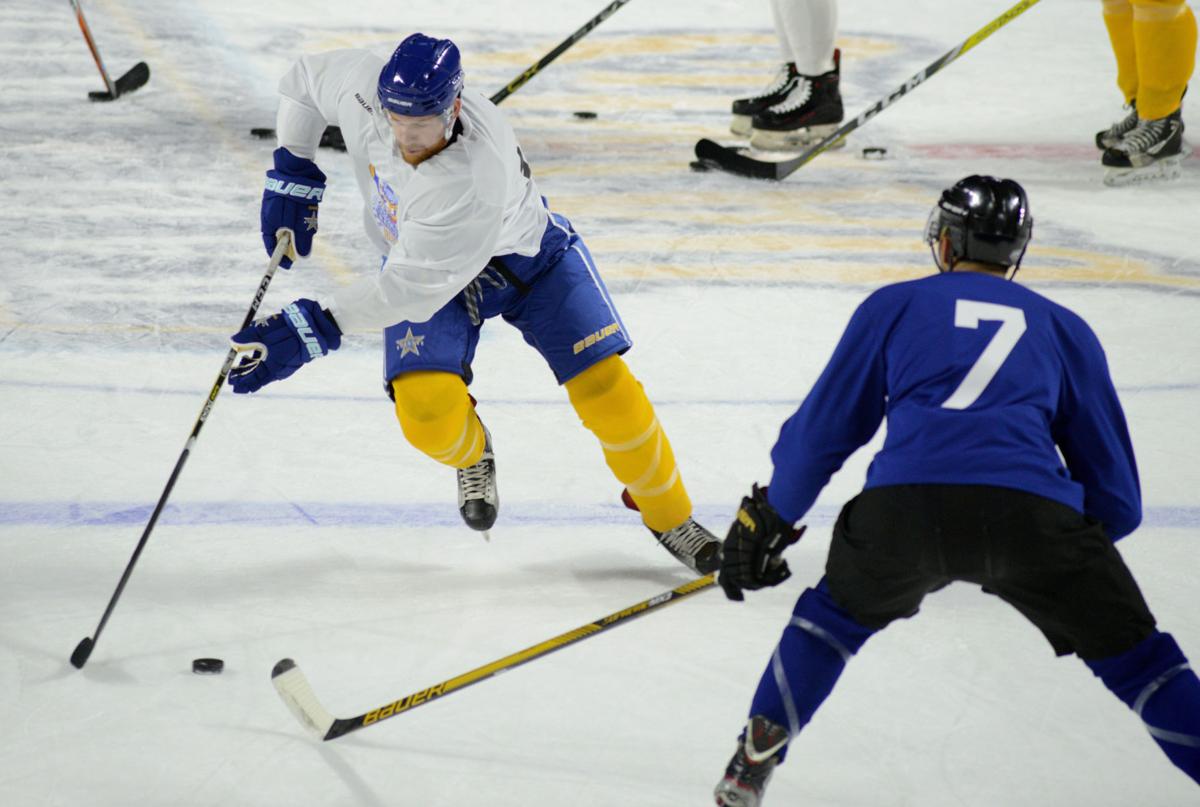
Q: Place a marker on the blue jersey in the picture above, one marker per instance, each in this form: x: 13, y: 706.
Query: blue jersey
x: 983, y: 382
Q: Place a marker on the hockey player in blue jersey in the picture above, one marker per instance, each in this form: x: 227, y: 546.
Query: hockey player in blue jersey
x: 982, y: 382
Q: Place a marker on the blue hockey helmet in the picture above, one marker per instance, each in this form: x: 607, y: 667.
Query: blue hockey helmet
x: 986, y: 219
x: 423, y: 77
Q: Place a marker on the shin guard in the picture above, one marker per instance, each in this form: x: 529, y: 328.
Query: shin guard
x: 818, y: 641
x: 1155, y: 680
x: 438, y: 418
x: 613, y: 406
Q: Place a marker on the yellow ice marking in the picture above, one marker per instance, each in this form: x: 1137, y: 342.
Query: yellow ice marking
x: 253, y: 166
x: 764, y: 243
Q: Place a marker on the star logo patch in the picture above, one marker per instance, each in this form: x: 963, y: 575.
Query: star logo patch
x: 411, y: 343
x: 310, y: 221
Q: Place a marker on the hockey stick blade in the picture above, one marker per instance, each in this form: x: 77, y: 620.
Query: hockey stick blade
x: 134, y: 78
x: 731, y: 160
x: 300, y: 699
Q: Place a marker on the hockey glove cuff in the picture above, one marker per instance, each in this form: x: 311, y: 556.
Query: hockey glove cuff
x: 752, y: 554
x: 272, y: 349
x: 294, y: 188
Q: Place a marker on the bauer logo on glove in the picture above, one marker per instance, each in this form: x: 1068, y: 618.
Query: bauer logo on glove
x: 294, y: 188
x: 272, y: 349
x: 752, y: 556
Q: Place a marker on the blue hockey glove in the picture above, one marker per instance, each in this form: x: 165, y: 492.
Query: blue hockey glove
x: 294, y: 189
x: 751, y: 557
x: 274, y: 348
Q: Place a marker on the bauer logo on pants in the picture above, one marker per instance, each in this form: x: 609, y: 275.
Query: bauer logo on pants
x: 593, y: 338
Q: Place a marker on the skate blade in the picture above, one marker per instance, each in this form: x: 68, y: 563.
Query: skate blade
x: 1165, y: 170
x: 796, y: 140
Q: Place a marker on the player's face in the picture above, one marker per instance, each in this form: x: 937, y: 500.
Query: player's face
x: 419, y: 138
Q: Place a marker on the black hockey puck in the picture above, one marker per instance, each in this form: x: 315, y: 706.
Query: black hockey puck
x: 262, y: 133
x: 874, y: 153
x: 585, y: 114
x: 207, y: 666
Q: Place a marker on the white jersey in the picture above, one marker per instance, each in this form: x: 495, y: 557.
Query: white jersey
x: 438, y: 223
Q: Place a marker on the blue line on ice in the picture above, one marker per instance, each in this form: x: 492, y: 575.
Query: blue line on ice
x: 410, y: 514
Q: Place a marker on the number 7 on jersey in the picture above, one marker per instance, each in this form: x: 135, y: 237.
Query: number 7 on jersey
x: 968, y: 314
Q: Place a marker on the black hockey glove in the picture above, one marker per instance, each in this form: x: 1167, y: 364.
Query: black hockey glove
x: 752, y: 554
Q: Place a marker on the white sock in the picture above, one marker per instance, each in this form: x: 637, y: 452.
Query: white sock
x: 806, y: 29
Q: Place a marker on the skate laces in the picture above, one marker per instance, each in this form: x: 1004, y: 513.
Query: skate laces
x: 1125, y: 124
x: 1144, y: 135
x: 798, y: 97
x: 779, y: 83
x: 474, y: 480
x: 686, y: 539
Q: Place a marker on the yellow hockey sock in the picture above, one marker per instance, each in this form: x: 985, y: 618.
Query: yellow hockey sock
x: 1118, y: 19
x: 438, y: 418
x: 613, y: 406
x: 1164, y: 33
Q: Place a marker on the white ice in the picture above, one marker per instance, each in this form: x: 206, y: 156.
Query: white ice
x: 304, y: 526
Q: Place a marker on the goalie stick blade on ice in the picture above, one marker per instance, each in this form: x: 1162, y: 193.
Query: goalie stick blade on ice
x: 299, y: 697
x: 134, y: 78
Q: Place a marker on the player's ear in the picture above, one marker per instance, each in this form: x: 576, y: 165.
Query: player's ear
x: 945, y: 255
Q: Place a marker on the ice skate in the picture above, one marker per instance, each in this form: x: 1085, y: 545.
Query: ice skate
x: 811, y: 111
x: 748, y: 772
x: 1111, y: 136
x: 692, y: 545
x: 1153, y: 150
x: 478, y: 501
x: 744, y: 109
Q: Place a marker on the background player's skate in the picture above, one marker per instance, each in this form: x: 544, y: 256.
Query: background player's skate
x: 1152, y: 150
x: 810, y: 110
x: 744, y: 109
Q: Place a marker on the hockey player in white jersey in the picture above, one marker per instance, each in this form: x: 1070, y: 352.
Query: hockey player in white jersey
x: 450, y: 203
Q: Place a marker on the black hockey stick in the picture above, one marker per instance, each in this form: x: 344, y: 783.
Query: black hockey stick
x: 562, y: 47
x: 332, y: 136
x: 713, y: 155
x: 297, y: 693
x: 88, y: 643
x: 133, y: 78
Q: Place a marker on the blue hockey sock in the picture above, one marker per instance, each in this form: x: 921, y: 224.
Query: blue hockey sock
x: 815, y: 646
x: 1155, y: 680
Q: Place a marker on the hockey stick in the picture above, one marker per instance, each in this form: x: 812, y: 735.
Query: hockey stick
x: 332, y: 136
x: 714, y: 155
x: 88, y: 643
x: 133, y: 78
x: 298, y: 695
x: 536, y: 67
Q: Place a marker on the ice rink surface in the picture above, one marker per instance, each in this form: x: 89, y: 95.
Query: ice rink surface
x: 304, y: 525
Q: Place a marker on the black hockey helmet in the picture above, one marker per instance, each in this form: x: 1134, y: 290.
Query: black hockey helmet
x: 986, y: 219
